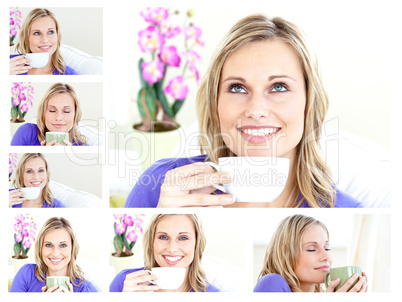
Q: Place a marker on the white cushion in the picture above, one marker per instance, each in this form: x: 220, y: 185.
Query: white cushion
x: 92, y: 272
x: 71, y: 198
x: 81, y: 62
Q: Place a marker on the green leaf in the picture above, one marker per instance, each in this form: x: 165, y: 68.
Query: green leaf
x: 162, y: 98
x: 14, y: 112
x: 144, y: 83
x: 140, y: 105
x: 150, y: 102
x: 176, y: 106
x: 126, y: 243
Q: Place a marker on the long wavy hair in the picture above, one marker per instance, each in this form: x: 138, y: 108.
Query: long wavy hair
x: 74, y: 135
x: 18, y: 181
x: 285, y: 248
x: 196, y: 276
x: 22, y: 45
x: 313, y: 178
x: 73, y: 271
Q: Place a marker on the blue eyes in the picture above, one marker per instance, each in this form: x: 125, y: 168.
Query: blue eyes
x: 37, y: 33
x: 277, y: 87
x: 162, y: 237
x: 40, y: 171
x: 49, y: 245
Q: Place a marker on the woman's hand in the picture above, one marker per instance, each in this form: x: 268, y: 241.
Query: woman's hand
x: 359, y: 287
x: 140, y: 281
x: 17, y: 65
x: 191, y: 186
x: 55, y: 143
x: 15, y: 197
x: 58, y: 289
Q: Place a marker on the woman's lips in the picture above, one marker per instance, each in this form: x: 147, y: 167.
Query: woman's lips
x: 55, y: 261
x: 36, y: 183
x: 58, y: 126
x: 324, y: 268
x: 172, y: 260
x: 258, y: 134
x: 45, y: 47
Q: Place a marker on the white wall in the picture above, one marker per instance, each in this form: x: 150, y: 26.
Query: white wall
x: 80, y: 27
x: 351, y: 46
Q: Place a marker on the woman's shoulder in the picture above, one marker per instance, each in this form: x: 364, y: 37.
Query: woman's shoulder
x: 118, y: 281
x: 70, y: 71
x: 56, y: 204
x: 28, y: 268
x: 26, y: 135
x: 212, y: 289
x: 343, y: 200
x: 87, y: 286
x: 272, y: 283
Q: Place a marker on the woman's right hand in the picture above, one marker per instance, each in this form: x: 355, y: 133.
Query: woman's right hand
x: 360, y: 286
x: 191, y: 186
x: 15, y: 197
x: 139, y: 281
x: 17, y: 65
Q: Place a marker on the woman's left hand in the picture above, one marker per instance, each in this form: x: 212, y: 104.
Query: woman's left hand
x: 55, y: 143
x: 359, y: 287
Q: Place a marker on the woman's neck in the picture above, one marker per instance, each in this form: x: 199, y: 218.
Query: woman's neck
x: 33, y: 203
x: 307, y: 288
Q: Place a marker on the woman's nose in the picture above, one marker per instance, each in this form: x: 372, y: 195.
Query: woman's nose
x: 257, y: 107
x: 172, y: 247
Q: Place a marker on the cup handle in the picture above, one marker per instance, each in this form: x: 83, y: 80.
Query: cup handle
x: 149, y: 272
x: 326, y: 279
x: 216, y: 167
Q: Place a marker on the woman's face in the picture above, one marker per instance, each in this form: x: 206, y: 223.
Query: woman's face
x: 56, y: 252
x: 43, y: 35
x: 60, y: 113
x: 35, y: 174
x: 174, y: 241
x: 315, y: 258
x: 261, y: 100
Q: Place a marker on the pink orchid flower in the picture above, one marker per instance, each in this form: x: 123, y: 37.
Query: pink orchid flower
x: 132, y: 236
x: 120, y: 228
x: 169, y: 56
x: 177, y: 88
x: 153, y: 71
x: 154, y: 15
x: 150, y: 39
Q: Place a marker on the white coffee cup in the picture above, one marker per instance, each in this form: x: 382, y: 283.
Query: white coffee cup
x: 38, y: 59
x: 31, y: 192
x: 168, y: 277
x: 255, y: 179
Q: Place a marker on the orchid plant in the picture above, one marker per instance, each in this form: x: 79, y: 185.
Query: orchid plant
x: 21, y: 101
x: 126, y: 230
x: 15, y: 23
x: 24, y: 236
x: 154, y: 41
x: 12, y: 164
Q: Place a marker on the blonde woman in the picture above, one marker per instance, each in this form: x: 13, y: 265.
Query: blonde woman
x: 261, y: 96
x: 39, y: 34
x: 56, y: 251
x: 171, y: 240
x: 32, y: 171
x: 59, y: 111
x: 298, y: 258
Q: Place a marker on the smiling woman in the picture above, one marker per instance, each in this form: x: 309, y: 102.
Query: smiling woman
x: 39, y: 34
x: 56, y: 250
x: 59, y: 111
x: 170, y: 241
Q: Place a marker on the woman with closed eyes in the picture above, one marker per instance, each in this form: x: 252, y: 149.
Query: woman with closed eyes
x: 262, y: 95
x: 298, y: 258
x: 59, y: 111
x: 171, y: 240
x: 40, y: 33
x: 56, y: 250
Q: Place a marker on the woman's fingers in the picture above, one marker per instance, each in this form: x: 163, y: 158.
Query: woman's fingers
x: 18, y: 65
x: 332, y: 285
x: 139, y: 281
x: 15, y: 197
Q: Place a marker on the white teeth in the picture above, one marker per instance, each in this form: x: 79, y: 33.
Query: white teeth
x: 173, y: 259
x: 56, y: 260
x: 260, y: 131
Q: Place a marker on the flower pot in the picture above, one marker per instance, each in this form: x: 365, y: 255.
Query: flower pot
x: 153, y: 146
x: 121, y: 263
x: 18, y: 263
x: 14, y: 127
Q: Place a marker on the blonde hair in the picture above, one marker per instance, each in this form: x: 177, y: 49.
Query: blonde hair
x: 22, y: 45
x: 18, y: 181
x: 285, y: 247
x: 73, y: 270
x: 196, y: 276
x: 74, y: 135
x: 313, y: 178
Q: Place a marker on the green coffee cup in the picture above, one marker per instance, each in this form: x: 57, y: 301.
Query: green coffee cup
x: 60, y: 280
x: 59, y: 136
x: 344, y: 273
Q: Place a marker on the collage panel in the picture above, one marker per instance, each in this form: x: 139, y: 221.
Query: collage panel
x: 55, y: 180
x: 177, y: 252
x: 48, y: 41
x: 56, y: 114
x: 322, y: 252
x: 53, y: 253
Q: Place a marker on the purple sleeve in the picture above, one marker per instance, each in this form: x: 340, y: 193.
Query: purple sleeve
x: 68, y: 71
x: 85, y: 287
x: 118, y: 281
x: 26, y: 135
x: 145, y: 193
x: 25, y: 280
x: 272, y: 283
x: 344, y: 200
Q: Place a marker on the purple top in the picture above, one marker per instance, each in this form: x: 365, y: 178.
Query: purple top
x: 27, y: 135
x: 145, y: 193
x: 118, y: 281
x: 68, y: 71
x: 26, y: 281
x: 272, y: 283
x: 56, y: 203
